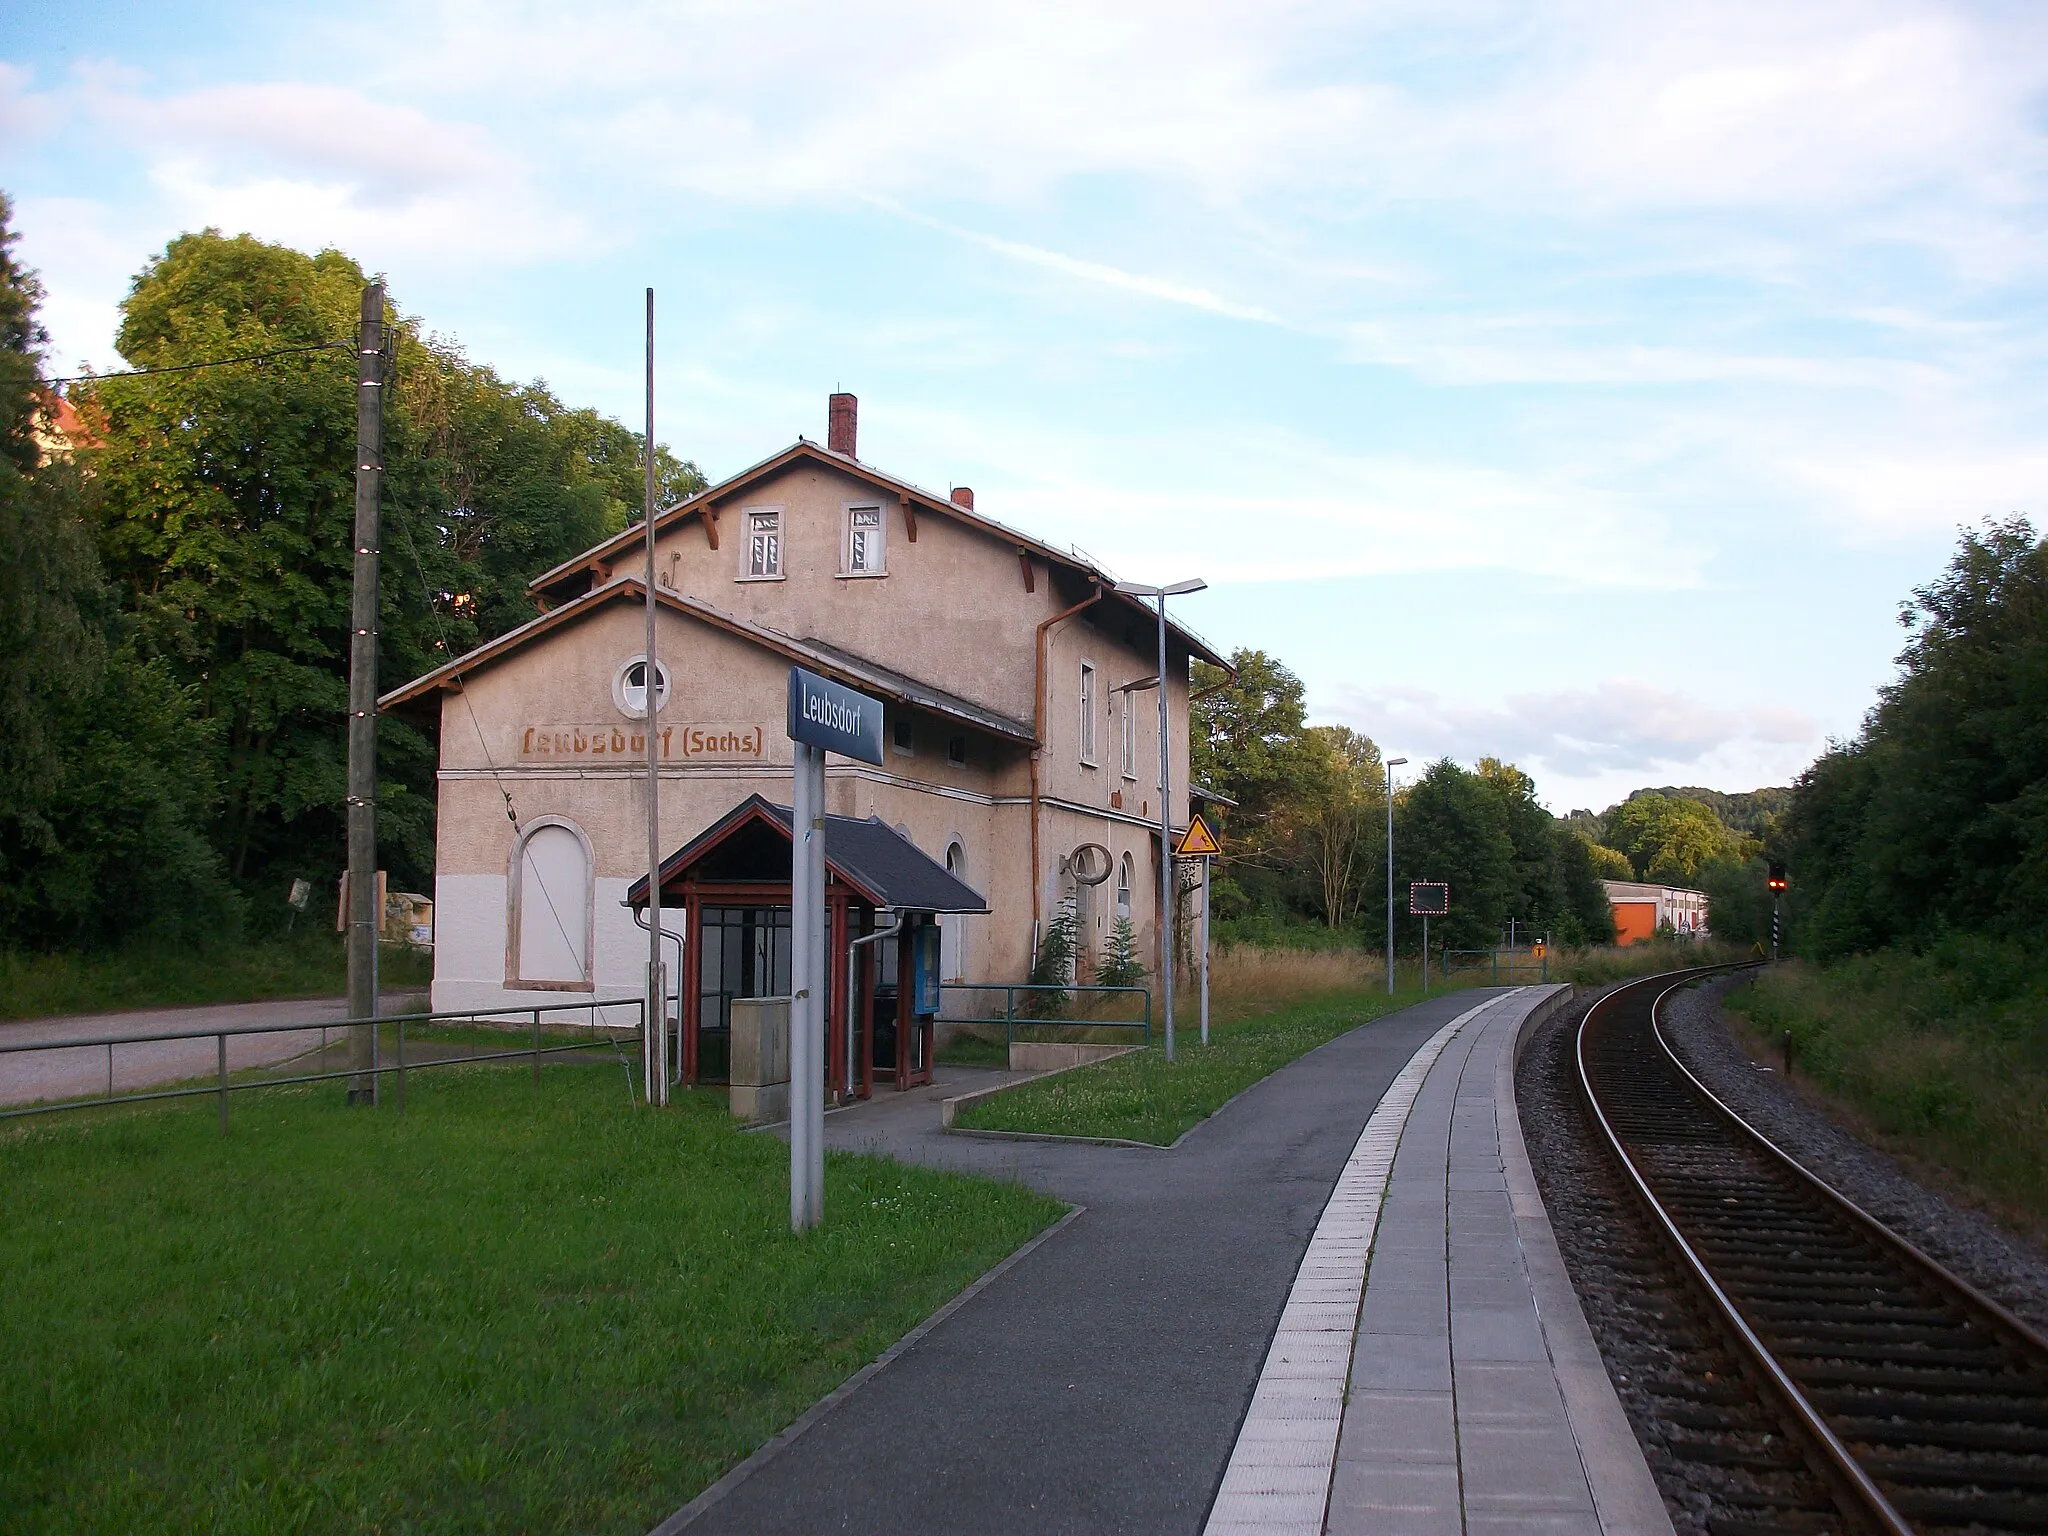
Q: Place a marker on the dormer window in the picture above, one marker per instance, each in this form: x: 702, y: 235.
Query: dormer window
x: 764, y: 543
x: 861, y: 552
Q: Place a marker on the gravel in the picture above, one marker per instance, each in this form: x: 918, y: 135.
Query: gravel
x: 2010, y: 1269
x: 1714, y: 1448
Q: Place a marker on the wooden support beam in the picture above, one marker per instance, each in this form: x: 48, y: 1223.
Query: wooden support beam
x: 1024, y: 560
x: 910, y: 518
x: 711, y: 524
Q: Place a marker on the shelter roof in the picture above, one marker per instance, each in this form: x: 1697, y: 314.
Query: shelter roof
x: 841, y: 666
x: 882, y: 865
x: 563, y: 580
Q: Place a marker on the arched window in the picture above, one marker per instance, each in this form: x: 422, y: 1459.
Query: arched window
x: 1123, y: 886
x: 551, y: 909
x: 953, y: 925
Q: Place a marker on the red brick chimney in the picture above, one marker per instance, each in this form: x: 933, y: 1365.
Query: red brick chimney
x: 963, y: 496
x: 842, y: 422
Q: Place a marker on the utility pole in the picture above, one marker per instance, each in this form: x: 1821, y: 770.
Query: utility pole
x: 363, y: 917
x: 1167, y: 877
x: 1392, y: 764
x: 656, y: 1030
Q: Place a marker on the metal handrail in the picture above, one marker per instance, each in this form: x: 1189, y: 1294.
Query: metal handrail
x: 222, y: 1086
x: 1009, y: 1020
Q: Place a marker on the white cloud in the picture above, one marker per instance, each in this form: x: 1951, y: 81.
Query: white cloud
x: 1619, y: 725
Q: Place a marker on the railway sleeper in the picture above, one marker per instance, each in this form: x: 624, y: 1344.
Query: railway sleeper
x: 1868, y: 1424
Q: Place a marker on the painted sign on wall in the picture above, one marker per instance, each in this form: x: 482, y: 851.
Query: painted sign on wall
x: 608, y: 743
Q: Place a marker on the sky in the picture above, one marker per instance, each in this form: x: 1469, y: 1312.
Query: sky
x: 1580, y: 383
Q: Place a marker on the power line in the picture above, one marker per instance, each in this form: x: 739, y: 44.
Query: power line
x: 212, y: 362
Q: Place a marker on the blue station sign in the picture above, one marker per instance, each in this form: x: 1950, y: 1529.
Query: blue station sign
x: 824, y: 714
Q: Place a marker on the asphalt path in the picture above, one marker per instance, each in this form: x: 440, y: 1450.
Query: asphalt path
x: 1098, y: 1384
x: 28, y: 1076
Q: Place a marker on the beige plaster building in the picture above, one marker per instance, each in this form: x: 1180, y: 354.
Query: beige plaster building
x: 1015, y: 744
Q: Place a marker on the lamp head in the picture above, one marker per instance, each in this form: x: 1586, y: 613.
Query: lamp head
x: 1395, y: 762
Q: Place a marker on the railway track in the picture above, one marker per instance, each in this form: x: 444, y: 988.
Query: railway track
x: 1922, y: 1403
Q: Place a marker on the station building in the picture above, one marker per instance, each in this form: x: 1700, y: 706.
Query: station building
x: 1021, y: 739
x: 1641, y: 909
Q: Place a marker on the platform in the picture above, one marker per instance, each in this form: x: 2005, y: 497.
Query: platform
x: 1432, y: 1371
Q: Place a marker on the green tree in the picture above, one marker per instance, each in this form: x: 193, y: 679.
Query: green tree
x: 1249, y: 741
x: 1334, y: 813
x: 1451, y: 825
x: 100, y: 808
x: 1667, y: 839
x: 224, y: 503
x: 1936, y: 817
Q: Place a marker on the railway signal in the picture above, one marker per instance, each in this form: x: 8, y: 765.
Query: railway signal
x: 1775, y: 879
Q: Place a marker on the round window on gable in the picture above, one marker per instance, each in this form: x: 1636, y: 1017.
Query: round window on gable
x: 629, y: 687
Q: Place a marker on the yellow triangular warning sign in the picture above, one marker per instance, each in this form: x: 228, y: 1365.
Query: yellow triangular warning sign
x: 1198, y: 842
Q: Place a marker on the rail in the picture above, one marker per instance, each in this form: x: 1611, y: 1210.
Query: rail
x: 1010, y: 1021
x: 1812, y: 1288
x: 223, y: 1081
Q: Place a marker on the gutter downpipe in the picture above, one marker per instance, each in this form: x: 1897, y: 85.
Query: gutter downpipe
x: 1038, y: 729
x: 640, y: 922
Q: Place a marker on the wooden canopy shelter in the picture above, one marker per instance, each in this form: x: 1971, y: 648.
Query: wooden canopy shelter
x: 732, y: 883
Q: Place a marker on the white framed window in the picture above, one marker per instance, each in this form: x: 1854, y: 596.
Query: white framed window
x: 1088, y: 713
x: 549, y: 935
x: 764, y: 544
x: 629, y: 687
x: 1127, y: 730
x: 1123, y: 886
x: 861, y: 551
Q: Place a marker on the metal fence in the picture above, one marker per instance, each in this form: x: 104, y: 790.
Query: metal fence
x: 184, y: 1084
x: 1503, y: 965
x: 1012, y: 1021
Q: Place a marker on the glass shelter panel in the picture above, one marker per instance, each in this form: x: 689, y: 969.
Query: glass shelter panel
x: 746, y: 953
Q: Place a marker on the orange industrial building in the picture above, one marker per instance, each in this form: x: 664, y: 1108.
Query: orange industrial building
x: 1641, y: 908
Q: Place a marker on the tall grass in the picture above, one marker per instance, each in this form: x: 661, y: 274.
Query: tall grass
x: 310, y: 963
x: 1944, y: 1054
x: 1597, y: 965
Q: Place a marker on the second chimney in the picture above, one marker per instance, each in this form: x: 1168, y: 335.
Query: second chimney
x: 963, y: 496
x: 842, y: 421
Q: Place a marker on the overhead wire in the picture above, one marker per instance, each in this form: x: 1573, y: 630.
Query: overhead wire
x: 211, y: 362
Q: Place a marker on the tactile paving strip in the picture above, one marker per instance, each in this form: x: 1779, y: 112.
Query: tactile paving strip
x: 1278, y: 1479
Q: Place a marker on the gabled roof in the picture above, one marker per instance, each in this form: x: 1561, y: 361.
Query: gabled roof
x: 882, y: 865
x: 561, y: 580
x: 839, y: 665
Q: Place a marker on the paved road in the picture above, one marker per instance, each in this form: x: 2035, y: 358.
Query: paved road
x: 31, y: 1075
x: 1097, y: 1385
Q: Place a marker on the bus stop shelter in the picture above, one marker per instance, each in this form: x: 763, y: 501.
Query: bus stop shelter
x: 732, y: 884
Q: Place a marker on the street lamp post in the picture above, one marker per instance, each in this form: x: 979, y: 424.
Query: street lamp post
x: 1178, y: 588
x: 1392, y: 764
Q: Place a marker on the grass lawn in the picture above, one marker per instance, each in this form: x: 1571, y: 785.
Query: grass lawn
x: 1940, y: 1056
x: 510, y: 1309
x: 1140, y: 1098
x: 311, y: 963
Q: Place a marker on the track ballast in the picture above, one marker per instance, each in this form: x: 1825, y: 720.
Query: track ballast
x: 1923, y: 1403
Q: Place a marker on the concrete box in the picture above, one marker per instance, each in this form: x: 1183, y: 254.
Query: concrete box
x: 759, y: 1074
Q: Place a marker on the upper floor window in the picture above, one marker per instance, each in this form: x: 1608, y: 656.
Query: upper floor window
x: 764, y: 542
x: 1127, y: 724
x: 903, y: 736
x: 1088, y: 713
x: 862, y: 554
x: 956, y: 751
